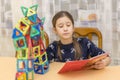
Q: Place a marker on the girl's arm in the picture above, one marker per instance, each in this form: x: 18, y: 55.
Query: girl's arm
x: 101, y: 63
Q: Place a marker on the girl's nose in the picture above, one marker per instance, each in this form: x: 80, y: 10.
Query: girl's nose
x: 65, y: 28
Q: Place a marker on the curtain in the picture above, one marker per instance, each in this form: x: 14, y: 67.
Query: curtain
x: 6, y: 46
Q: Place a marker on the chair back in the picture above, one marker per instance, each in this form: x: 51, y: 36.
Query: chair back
x: 89, y: 33
x: 46, y: 39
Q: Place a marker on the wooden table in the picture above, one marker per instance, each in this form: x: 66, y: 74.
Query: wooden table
x: 8, y: 70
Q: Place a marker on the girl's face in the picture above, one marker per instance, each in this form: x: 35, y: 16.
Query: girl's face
x: 64, y: 28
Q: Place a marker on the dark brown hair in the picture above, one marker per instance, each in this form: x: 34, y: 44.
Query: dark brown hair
x: 62, y: 14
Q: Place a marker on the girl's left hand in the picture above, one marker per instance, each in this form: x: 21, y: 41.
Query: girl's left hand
x: 98, y: 65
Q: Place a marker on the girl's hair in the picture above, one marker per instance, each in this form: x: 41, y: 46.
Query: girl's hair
x: 62, y: 14
x: 76, y: 45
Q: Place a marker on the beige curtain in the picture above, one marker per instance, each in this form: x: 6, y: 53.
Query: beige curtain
x: 6, y: 46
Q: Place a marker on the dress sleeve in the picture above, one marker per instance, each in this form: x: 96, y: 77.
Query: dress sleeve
x: 92, y: 49
x: 51, y: 50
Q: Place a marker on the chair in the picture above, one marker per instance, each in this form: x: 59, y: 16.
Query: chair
x: 89, y: 32
x: 46, y: 39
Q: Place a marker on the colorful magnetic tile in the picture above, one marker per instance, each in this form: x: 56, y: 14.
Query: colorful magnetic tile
x: 34, y: 7
x: 30, y: 52
x: 24, y: 10
x: 36, y: 51
x: 33, y: 18
x: 22, y: 65
x: 36, y: 26
x: 30, y: 64
x: 22, y: 26
x: 16, y: 33
x: 22, y: 54
x: 39, y: 21
x: 43, y: 20
x: 30, y: 75
x: 37, y: 60
x: 42, y: 47
x: 20, y: 76
x: 30, y: 12
x: 35, y: 40
x: 20, y: 43
x: 25, y: 19
x: 34, y: 32
x: 43, y: 58
x: 41, y: 69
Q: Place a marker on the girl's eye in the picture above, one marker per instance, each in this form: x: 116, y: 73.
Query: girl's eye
x: 68, y: 25
x: 60, y: 26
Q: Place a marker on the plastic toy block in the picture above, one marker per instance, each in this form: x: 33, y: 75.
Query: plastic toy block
x: 20, y: 76
x: 36, y: 51
x: 33, y: 18
x: 43, y: 20
x: 42, y: 47
x: 41, y: 69
x: 28, y: 38
x: 34, y: 32
x: 25, y: 65
x: 30, y: 64
x: 41, y: 60
x: 25, y: 19
x: 34, y: 7
x: 39, y: 21
x: 20, y: 43
x: 36, y: 26
x: 23, y: 26
x: 30, y: 75
x: 24, y: 10
x: 16, y: 33
x: 30, y: 52
x: 22, y: 54
x: 21, y: 65
x: 31, y: 12
x: 35, y: 40
x: 36, y: 60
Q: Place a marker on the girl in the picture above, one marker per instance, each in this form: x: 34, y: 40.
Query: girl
x: 69, y: 48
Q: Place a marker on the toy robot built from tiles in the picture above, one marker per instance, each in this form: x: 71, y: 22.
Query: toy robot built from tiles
x: 28, y: 39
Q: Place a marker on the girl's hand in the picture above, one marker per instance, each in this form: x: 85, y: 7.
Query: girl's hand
x: 99, y: 65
